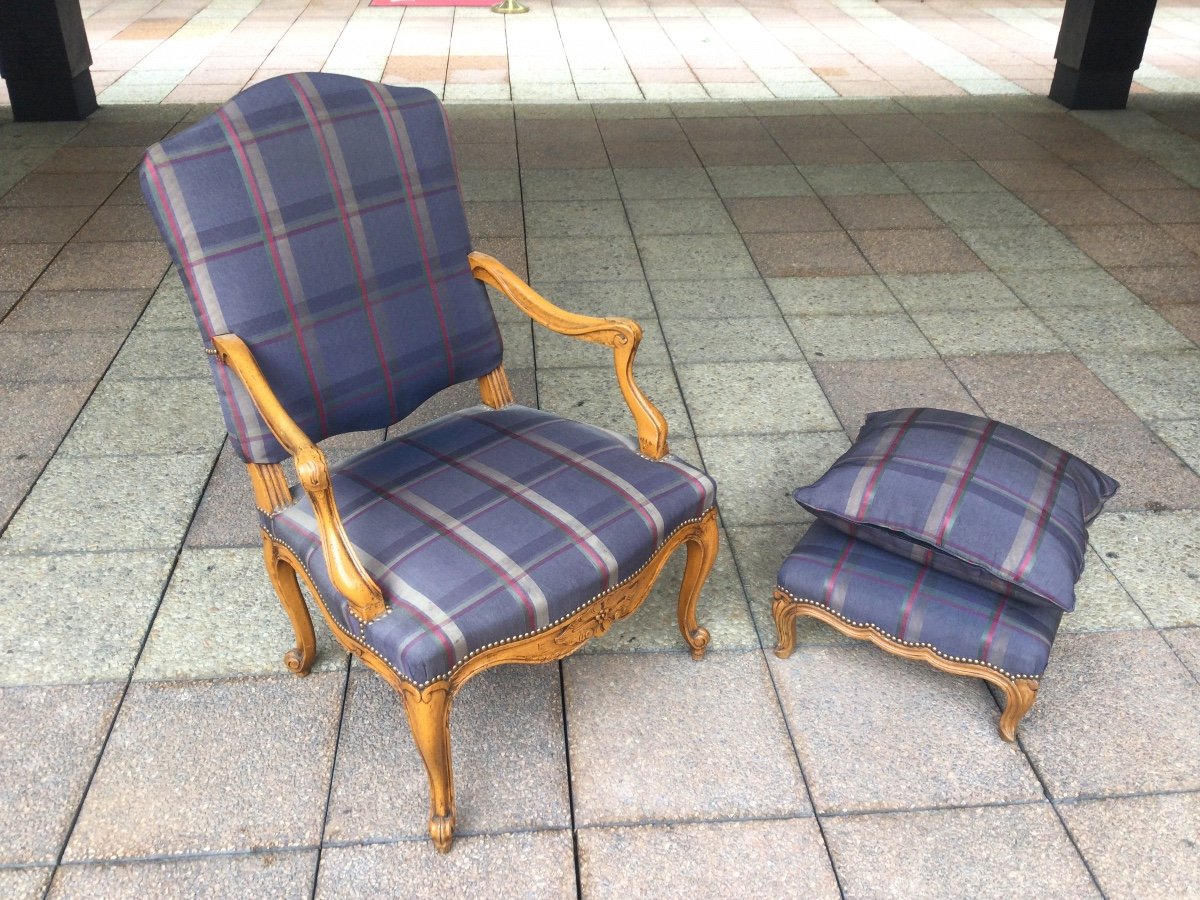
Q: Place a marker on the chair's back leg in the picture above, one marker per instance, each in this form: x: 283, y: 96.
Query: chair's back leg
x: 429, y: 718
x: 287, y: 588
x: 701, y: 554
x: 1019, y: 698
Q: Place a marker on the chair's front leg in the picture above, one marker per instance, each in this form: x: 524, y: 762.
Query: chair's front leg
x: 283, y: 577
x: 429, y: 718
x: 701, y: 554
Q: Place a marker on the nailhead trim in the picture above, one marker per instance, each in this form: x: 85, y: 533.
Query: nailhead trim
x: 891, y: 637
x: 479, y: 650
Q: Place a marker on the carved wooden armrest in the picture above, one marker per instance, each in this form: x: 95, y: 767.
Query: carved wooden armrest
x: 622, y: 335
x: 346, y: 572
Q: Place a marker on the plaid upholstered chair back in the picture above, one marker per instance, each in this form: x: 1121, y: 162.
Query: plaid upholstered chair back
x: 319, y: 218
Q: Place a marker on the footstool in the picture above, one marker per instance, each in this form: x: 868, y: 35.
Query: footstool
x: 917, y: 612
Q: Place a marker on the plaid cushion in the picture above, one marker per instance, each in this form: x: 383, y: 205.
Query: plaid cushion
x: 318, y: 218
x: 917, y: 604
x: 492, y: 524
x: 969, y: 496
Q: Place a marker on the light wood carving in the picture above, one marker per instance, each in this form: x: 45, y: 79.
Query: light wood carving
x: 494, y: 389
x: 622, y: 335
x: 1019, y: 693
x: 428, y: 707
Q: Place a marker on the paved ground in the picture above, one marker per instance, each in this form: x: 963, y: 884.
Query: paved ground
x: 189, y: 51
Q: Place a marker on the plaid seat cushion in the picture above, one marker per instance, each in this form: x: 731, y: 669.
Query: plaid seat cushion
x: 487, y: 525
x: 916, y: 604
x: 972, y: 497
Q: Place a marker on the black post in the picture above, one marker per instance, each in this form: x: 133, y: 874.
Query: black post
x: 45, y: 60
x: 1100, y: 46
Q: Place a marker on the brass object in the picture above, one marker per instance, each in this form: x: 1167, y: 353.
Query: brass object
x: 510, y: 8
x: 1019, y: 692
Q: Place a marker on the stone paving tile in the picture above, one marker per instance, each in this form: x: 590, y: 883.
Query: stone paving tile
x: 712, y: 298
x: 490, y: 184
x: 831, y: 338
x: 278, y: 874
x: 756, y: 215
x: 766, y: 859
x: 583, y: 259
x: 950, y: 177
x: 744, y: 338
x: 694, y: 256
x: 226, y: 516
x: 107, y: 500
x: 758, y: 472
x: 56, y: 355
x: 664, y: 184
x: 220, y: 618
x: 77, y: 311
x: 1050, y: 291
x: 8, y: 299
x: 25, y: 884
x: 913, y: 251
x: 1154, y: 556
x: 1186, y: 644
x: 1130, y: 245
x: 732, y: 398
x: 1116, y: 329
x: 592, y: 395
x: 532, y: 864
x: 1159, y: 285
x: 858, y: 387
x: 50, y: 225
x: 161, y: 415
x: 568, y: 184
x: 803, y: 254
x: 858, y: 295
x: 882, y: 211
x: 1153, y: 385
x: 1066, y: 208
x: 51, y: 738
x: 1186, y: 320
x: 839, y: 181
x: 108, y: 266
x: 992, y: 851
x: 77, y: 617
x: 1139, y: 846
x: 970, y: 332
x: 17, y: 475
x: 35, y: 415
x: 952, y: 292
x: 671, y: 754
x: 69, y: 189
x: 1102, y: 603
x: 162, y: 353
x: 117, y: 222
x: 510, y: 769
x: 699, y: 216
x: 1024, y: 249
x: 733, y: 182
x: 249, y: 761
x: 1183, y: 438
x: 840, y: 701
x: 575, y: 218
x: 981, y: 210
x: 1123, y: 702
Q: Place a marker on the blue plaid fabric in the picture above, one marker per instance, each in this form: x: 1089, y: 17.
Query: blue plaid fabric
x: 318, y: 217
x: 972, y: 497
x: 917, y: 604
x: 488, y: 525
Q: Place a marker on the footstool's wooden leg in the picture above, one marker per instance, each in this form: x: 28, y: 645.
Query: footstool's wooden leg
x: 784, y: 609
x: 1019, y: 695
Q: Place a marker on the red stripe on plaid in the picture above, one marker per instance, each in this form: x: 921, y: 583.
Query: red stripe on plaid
x: 869, y: 492
x: 1047, y: 507
x: 995, y: 626
x: 276, y: 260
x: 911, y: 602
x: 835, y: 573
x: 977, y: 454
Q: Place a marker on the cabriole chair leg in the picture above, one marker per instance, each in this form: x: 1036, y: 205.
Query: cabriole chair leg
x: 784, y: 612
x: 429, y: 718
x: 283, y: 577
x: 1019, y: 697
x: 701, y: 554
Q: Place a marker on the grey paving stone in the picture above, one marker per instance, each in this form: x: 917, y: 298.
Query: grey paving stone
x: 17, y: 475
x: 1156, y: 557
x: 697, y: 216
x: 25, y: 884
x: 981, y: 210
x: 535, y: 864
x: 35, y: 416
x: 109, y: 266
x: 712, y: 298
x: 743, y: 338
x: 54, y: 356
x: 517, y: 338
x: 226, y: 516
x: 583, y: 259
x: 111, y: 503
x: 664, y: 184
x: 490, y: 184
x: 655, y: 626
x: 162, y: 353
x: 831, y: 338
x: 152, y: 415
x: 1084, y: 287
x: 1118, y: 329
x: 757, y: 473
x: 1183, y: 438
x: 952, y: 292
x: 22, y: 264
x: 630, y: 299
x: 279, y: 874
x: 1102, y: 604
x: 568, y: 184
x: 220, y: 618
x: 1139, y: 846
x: 562, y: 351
x: 759, y: 181
x: 733, y: 398
x: 859, y: 716
x: 968, y: 332
x: 1186, y: 644
x: 169, y: 306
x: 856, y: 295
x: 840, y: 181
x: 575, y: 218
x: 1154, y: 385
x: 781, y: 858
x: 695, y: 256
x: 1034, y: 248
x: 1125, y: 704
x: 591, y: 395
x: 77, y: 617
x: 510, y: 768
x: 248, y: 760
x: 77, y: 311
x: 997, y: 851
x: 945, y: 177
x: 718, y: 750
x: 51, y: 737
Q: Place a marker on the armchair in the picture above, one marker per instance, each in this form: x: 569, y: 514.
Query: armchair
x: 317, y: 224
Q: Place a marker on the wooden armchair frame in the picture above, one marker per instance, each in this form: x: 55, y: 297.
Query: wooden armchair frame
x: 428, y: 707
